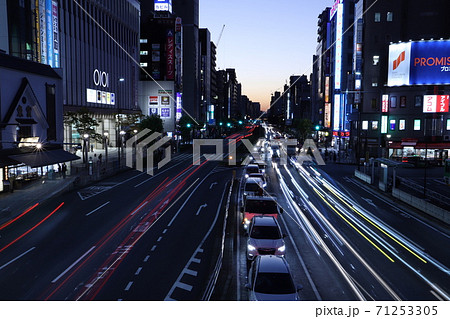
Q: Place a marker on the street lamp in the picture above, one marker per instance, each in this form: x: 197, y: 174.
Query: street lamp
x: 85, y: 147
x: 105, y: 141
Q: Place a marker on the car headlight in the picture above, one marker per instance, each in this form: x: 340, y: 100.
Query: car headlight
x: 282, y: 249
x: 246, y: 175
x: 246, y: 221
x: 251, y: 247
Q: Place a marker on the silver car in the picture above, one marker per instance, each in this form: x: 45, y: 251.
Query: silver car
x: 269, y: 279
x: 264, y: 238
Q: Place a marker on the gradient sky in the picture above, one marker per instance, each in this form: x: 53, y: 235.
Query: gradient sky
x: 266, y: 41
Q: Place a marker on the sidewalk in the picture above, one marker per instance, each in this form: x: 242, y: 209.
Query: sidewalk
x: 15, y: 203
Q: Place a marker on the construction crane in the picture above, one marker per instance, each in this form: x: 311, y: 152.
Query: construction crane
x: 220, y: 36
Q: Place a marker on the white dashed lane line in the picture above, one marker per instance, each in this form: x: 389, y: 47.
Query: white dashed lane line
x: 138, y: 271
x: 128, y: 286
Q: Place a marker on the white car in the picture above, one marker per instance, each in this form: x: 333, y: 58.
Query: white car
x: 269, y: 279
x: 264, y: 238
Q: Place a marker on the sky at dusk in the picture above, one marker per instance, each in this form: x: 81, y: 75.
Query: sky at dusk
x: 266, y: 41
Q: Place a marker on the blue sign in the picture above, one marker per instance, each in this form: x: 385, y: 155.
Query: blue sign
x: 163, y: 5
x: 152, y: 111
x: 430, y: 63
x: 165, y: 112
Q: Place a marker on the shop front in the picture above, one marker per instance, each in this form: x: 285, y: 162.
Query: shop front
x: 419, y: 153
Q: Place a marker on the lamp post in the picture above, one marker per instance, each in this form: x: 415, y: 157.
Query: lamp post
x: 85, y: 147
x: 120, y: 149
x: 105, y: 141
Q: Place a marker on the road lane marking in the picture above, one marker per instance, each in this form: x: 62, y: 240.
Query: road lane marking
x: 159, y: 239
x: 138, y: 271
x: 165, y: 231
x: 20, y: 256
x: 153, y: 248
x: 212, y: 185
x: 128, y: 286
x: 137, y: 209
x: 146, y: 258
x: 98, y: 208
x: 184, y: 286
x: 200, y: 208
x: 196, y: 260
x: 191, y: 272
x: 71, y: 266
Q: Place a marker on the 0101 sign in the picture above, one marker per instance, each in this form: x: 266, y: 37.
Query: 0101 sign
x: 435, y: 103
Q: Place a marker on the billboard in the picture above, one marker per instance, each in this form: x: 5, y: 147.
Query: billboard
x: 337, y: 112
x: 385, y: 103
x: 338, y: 57
x: 163, y: 5
x: 170, y: 47
x: 419, y: 63
x: 435, y: 103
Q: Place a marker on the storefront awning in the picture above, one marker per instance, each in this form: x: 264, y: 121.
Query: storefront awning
x: 44, y: 158
x: 421, y: 145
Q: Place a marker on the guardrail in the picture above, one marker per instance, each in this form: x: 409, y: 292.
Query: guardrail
x: 364, y: 177
x: 442, y: 199
x: 426, y: 207
x: 213, y: 280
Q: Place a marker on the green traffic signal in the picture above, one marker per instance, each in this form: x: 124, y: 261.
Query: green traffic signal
x: 228, y: 124
x: 317, y: 127
x: 240, y: 122
x: 188, y: 125
x: 220, y: 123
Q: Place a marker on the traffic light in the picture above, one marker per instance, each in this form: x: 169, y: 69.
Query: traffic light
x: 240, y: 122
x: 220, y: 123
x: 188, y: 125
x: 229, y: 124
x: 317, y: 127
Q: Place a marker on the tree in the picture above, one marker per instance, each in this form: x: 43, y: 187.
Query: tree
x: 186, y: 124
x: 304, y: 128
x: 153, y: 123
x: 83, y: 123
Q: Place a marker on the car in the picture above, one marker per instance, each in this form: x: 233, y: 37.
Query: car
x: 264, y: 238
x: 251, y: 168
x: 259, y: 175
x: 259, y: 206
x: 253, y: 187
x: 270, y: 279
x: 261, y: 165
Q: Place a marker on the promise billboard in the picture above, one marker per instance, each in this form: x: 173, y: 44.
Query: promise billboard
x: 419, y: 63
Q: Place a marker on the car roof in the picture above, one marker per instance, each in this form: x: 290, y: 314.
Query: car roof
x: 254, y: 180
x: 267, y: 198
x: 272, y: 264
x: 252, y: 165
x: 264, y: 221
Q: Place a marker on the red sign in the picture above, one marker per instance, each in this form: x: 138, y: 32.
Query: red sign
x: 435, y: 103
x: 385, y: 103
x: 153, y: 100
x: 170, y: 75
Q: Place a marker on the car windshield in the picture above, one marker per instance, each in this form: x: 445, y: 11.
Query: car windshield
x: 265, y: 232
x: 274, y: 283
x: 252, y: 187
x: 261, y: 206
x: 252, y: 169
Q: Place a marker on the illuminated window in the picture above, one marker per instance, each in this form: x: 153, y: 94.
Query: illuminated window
x: 143, y: 41
x: 392, y: 125
x: 375, y: 125
x: 376, y: 59
x: 401, y: 125
x: 374, y: 82
x: 144, y: 64
x: 377, y: 17
x: 144, y: 52
x: 365, y: 125
x: 448, y: 124
x: 417, y: 125
x: 389, y: 16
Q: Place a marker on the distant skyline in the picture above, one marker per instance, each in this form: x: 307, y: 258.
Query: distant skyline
x: 265, y: 41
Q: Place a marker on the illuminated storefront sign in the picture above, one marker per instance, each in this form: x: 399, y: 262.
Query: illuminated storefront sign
x: 170, y: 56
x: 101, y: 79
x: 327, y: 89
x: 163, y: 5
x: 435, y: 103
x: 337, y: 112
x: 165, y: 112
x: 419, y: 63
x: 334, y: 8
x: 338, y: 57
x: 179, y: 108
x: 385, y: 103
x: 327, y: 116
x: 55, y: 33
x: 384, y: 124
x: 152, y: 100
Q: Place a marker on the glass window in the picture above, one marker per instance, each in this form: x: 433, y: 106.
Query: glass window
x: 393, y: 101
x: 144, y: 52
x: 374, y: 82
x: 392, y: 125
x: 376, y: 59
x: 418, y: 101
x: 402, y: 101
x: 375, y: 125
x: 377, y: 17
x: 401, y: 125
x: 389, y: 16
x: 365, y: 125
x: 448, y: 124
x: 417, y: 125
x: 144, y: 64
x: 144, y: 41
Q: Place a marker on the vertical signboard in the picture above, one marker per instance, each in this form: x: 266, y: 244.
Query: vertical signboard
x: 327, y: 89
x: 42, y: 32
x: 179, y: 107
x: 170, y: 46
x: 55, y: 33
x: 338, y: 56
x: 49, y: 24
x: 327, y: 116
x: 384, y: 124
x: 337, y: 112
x: 385, y: 103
